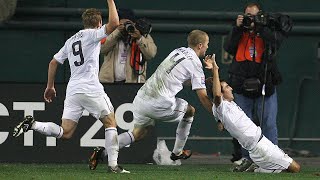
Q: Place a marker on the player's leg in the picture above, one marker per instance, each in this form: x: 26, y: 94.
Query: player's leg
x: 46, y: 128
x: 100, y: 107
x: 98, y: 153
x: 111, y: 138
x: 183, y: 130
x: 65, y: 131
x: 142, y: 123
x: 247, y: 105
x: 139, y: 133
x: 112, y: 143
x: 125, y: 139
x: 271, y: 159
x: 71, y: 113
x: 294, y: 167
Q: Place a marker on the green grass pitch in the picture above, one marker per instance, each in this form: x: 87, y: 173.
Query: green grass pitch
x: 140, y: 172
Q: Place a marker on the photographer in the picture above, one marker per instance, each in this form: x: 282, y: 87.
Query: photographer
x: 253, y: 41
x: 127, y: 49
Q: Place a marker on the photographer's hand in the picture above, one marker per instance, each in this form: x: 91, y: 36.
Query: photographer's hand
x: 239, y: 20
x: 136, y: 34
x: 121, y: 27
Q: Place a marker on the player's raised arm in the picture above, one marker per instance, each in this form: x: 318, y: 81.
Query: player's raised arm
x: 113, y: 20
x: 216, y: 86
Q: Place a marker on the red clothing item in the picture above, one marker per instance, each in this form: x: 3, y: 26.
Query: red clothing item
x: 245, y: 48
x: 103, y: 40
x: 135, y: 57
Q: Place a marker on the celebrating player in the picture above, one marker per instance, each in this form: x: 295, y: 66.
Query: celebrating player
x: 156, y: 101
x: 267, y: 157
x: 84, y: 91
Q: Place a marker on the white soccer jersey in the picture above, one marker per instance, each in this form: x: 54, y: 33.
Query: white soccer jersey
x: 82, y: 50
x: 180, y: 65
x: 237, y: 123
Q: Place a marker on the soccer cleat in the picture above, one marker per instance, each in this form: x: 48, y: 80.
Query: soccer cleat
x: 246, y: 163
x: 23, y: 126
x: 236, y: 158
x: 95, y: 157
x: 184, y: 155
x: 252, y: 167
x: 117, y: 169
x: 238, y: 162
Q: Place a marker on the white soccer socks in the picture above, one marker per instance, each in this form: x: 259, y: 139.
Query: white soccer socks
x: 182, y: 133
x: 48, y: 129
x: 112, y: 145
x: 125, y: 139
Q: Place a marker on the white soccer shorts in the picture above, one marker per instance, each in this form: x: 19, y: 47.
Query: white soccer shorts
x: 269, y: 156
x: 98, y: 105
x: 146, y: 112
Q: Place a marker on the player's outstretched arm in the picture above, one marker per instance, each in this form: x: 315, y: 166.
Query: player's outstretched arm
x: 204, y: 99
x: 50, y: 91
x: 113, y: 21
x: 216, y: 86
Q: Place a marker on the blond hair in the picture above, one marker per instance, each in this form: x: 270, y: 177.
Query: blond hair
x: 195, y: 37
x: 91, y: 18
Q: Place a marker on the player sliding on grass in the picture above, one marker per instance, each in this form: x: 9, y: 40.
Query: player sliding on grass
x: 267, y: 157
x: 156, y: 99
x: 84, y: 91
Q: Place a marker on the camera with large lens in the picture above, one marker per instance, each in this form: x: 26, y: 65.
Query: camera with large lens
x: 247, y: 20
x: 261, y: 19
x: 142, y: 25
x: 129, y: 27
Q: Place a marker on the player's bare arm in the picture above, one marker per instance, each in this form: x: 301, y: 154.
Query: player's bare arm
x: 204, y: 99
x: 210, y: 63
x: 50, y: 91
x: 216, y: 86
x: 113, y: 21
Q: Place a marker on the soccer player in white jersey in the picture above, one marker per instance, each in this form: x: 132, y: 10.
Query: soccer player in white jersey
x: 268, y: 158
x: 84, y: 91
x: 156, y: 100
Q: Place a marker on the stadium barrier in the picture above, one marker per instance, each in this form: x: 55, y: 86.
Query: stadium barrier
x: 20, y: 99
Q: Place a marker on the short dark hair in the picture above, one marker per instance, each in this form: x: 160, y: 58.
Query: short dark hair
x: 127, y: 14
x: 209, y: 85
x: 222, y: 80
x: 251, y: 4
x: 91, y: 18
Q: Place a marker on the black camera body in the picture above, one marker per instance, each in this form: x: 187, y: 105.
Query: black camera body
x: 276, y: 21
x: 129, y: 27
x: 261, y: 19
x: 142, y: 24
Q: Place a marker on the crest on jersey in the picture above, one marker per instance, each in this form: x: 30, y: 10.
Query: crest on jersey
x: 203, y: 80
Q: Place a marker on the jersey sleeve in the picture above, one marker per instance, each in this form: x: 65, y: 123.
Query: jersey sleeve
x: 62, y: 55
x: 99, y: 34
x: 198, y: 79
x: 220, y: 111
